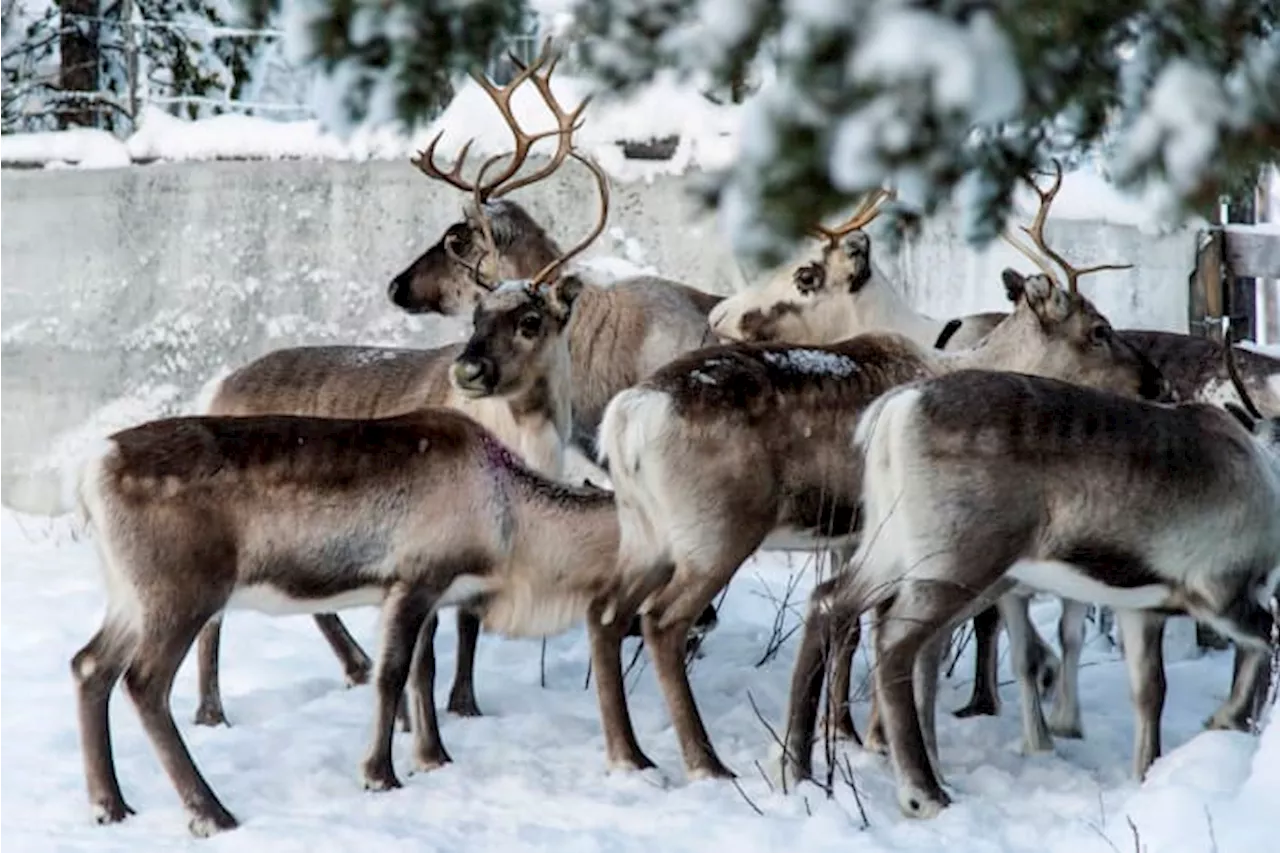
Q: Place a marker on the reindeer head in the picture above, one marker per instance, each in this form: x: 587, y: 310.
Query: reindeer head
x: 494, y: 234
x: 519, y: 329
x: 518, y: 334
x: 1053, y: 332
x: 441, y: 280
x: 814, y: 303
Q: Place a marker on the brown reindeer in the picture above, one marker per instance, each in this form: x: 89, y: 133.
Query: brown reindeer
x: 619, y: 334
x: 513, y: 376
x: 741, y: 446
x: 288, y: 514
x: 1154, y: 510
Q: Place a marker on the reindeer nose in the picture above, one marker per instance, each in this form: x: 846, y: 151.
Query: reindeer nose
x: 473, y: 374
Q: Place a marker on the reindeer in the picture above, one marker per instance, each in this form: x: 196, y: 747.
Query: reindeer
x: 618, y: 335
x: 289, y: 514
x: 840, y: 294
x: 743, y: 446
x: 512, y: 376
x: 1152, y: 509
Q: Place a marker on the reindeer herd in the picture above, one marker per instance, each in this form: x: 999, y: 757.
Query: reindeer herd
x: 955, y: 468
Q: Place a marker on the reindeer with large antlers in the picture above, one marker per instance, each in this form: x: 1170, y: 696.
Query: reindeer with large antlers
x: 618, y: 335
x: 513, y: 376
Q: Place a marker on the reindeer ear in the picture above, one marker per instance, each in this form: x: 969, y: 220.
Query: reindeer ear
x: 1046, y: 299
x: 1014, y: 283
x: 564, y: 291
x: 857, y: 247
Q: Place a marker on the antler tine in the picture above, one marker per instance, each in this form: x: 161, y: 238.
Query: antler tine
x: 425, y: 161
x: 602, y: 183
x: 486, y: 232
x: 1035, y: 259
x: 567, y: 123
x: 866, y: 211
x: 1036, y: 232
x: 501, y: 97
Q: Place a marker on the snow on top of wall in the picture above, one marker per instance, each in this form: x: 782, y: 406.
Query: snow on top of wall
x: 709, y: 135
x: 667, y: 108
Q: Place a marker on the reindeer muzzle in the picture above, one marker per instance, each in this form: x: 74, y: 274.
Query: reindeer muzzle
x: 475, y: 377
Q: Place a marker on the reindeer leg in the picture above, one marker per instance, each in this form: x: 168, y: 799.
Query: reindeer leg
x: 96, y: 668
x: 1248, y: 691
x: 925, y: 673
x: 665, y: 630
x: 1143, y: 635
x: 1017, y: 621
x: 1064, y: 720
x: 462, y: 698
x: 209, y: 712
x: 985, y: 699
x: 919, y: 610
x: 428, y: 749
x: 148, y: 680
x: 403, y: 613
x: 806, y: 683
x: 839, y: 712
x: 875, y: 740
x: 356, y: 665
x: 622, y: 751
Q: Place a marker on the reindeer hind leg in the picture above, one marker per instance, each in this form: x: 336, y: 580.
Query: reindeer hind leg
x: 96, y: 668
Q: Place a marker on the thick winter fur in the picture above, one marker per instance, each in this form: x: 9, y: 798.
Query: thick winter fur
x: 512, y: 376
x: 743, y: 445
x: 1142, y: 507
x: 287, y: 514
x: 839, y: 294
x: 618, y: 334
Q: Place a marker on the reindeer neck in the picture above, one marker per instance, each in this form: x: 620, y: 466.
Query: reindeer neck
x: 879, y: 306
x: 998, y: 351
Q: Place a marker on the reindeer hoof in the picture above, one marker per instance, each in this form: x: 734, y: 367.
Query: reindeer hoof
x: 211, y: 715
x: 1220, y: 722
x: 842, y: 728
x: 205, y: 825
x: 431, y: 760
x: 380, y: 779
x: 358, y: 675
x: 978, y: 708
x: 1071, y: 730
x: 464, y: 705
x: 715, y: 770
x: 111, y: 811
x: 917, y: 803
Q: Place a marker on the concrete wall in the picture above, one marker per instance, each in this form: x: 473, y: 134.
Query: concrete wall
x: 126, y: 290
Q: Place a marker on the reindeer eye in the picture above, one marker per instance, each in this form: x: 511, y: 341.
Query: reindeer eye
x: 530, y: 325
x: 809, y: 279
x: 1099, y: 334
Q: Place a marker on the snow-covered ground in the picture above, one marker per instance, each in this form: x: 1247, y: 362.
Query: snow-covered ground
x: 530, y: 775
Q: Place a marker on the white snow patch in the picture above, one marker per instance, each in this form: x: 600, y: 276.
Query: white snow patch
x: 812, y: 361
x: 88, y: 148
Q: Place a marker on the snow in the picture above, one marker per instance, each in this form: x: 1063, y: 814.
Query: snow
x: 814, y: 362
x: 530, y: 774
x: 89, y: 148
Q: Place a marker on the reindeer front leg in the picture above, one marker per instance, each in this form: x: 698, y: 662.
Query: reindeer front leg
x: 405, y: 609
x: 428, y: 749
x: 462, y: 697
x: 1248, y: 691
x: 1017, y: 621
x: 1064, y: 720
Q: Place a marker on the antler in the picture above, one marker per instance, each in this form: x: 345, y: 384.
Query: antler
x: 868, y: 209
x: 566, y: 124
x: 1036, y: 232
x: 602, y: 183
